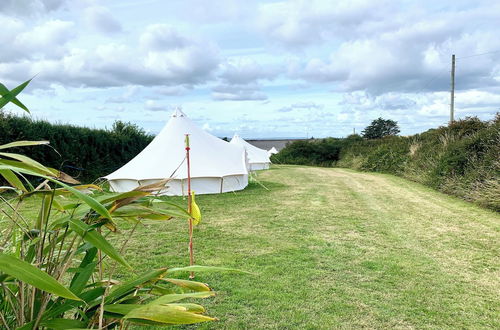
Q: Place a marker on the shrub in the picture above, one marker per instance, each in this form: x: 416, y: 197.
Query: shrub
x: 81, y: 152
x: 460, y: 159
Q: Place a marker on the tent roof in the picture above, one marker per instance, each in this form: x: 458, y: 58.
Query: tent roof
x: 272, y: 151
x: 255, y: 155
x: 164, y: 157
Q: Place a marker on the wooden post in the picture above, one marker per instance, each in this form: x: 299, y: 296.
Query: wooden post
x: 191, y: 253
x: 452, y: 96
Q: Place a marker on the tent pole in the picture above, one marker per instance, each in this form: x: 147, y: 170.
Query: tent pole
x: 191, y: 253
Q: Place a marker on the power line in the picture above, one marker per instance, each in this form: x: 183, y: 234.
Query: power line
x: 434, y: 77
x: 493, y: 52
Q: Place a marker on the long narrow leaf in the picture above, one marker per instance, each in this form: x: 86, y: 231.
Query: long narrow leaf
x: 166, y: 314
x: 4, y: 90
x: 86, y: 269
x: 98, y: 207
x: 29, y: 161
x: 60, y: 323
x: 170, y: 298
x: 12, y: 179
x: 122, y: 289
x: 28, y: 273
x: 92, y: 296
x: 90, y: 235
x: 11, y: 95
x: 206, y: 269
x: 190, y: 285
x: 23, y: 144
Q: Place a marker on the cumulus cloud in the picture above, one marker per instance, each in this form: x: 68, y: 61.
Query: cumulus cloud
x: 163, y: 37
x: 152, y: 105
x: 246, y: 70
x: 110, y: 65
x: 298, y: 23
x: 357, y: 59
x: 388, y: 101
x: 173, y: 90
x: 30, y: 7
x: 101, y: 19
x: 46, y: 40
x: 383, y: 46
x: 248, y: 92
x: 301, y: 105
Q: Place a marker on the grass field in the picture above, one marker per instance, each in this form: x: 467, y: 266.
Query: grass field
x: 334, y: 248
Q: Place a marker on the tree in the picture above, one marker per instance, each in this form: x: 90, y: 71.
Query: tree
x: 381, y: 127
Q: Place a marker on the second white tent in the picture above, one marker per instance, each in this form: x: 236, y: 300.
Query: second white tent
x: 258, y: 159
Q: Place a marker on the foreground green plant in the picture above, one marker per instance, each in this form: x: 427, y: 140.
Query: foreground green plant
x: 57, y: 270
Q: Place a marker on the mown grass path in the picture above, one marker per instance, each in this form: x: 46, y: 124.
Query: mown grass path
x: 334, y: 248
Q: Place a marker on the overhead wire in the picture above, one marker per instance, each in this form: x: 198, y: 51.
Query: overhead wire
x: 487, y: 53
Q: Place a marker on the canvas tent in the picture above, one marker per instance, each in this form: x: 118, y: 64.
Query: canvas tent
x: 216, y: 166
x: 272, y: 151
x: 258, y: 159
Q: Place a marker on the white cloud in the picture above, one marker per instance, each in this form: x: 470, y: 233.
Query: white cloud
x: 152, y: 105
x: 46, y: 40
x: 163, y: 37
x: 248, y: 92
x: 110, y: 64
x: 318, y: 61
x: 101, y: 19
x: 298, y: 23
x: 309, y: 105
x: 246, y: 70
x: 173, y: 90
x: 30, y: 7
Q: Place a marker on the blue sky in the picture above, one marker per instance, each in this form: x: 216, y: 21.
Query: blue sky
x: 258, y: 68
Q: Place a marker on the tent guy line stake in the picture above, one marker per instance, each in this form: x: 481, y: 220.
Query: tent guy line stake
x: 191, y: 253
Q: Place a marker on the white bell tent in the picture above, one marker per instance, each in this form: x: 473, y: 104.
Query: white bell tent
x: 216, y: 166
x: 258, y: 159
x: 272, y: 151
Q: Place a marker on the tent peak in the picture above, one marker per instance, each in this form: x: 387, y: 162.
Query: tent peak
x: 178, y: 113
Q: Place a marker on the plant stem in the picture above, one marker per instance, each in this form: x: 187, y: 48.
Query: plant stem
x: 101, y: 307
x: 4, y: 321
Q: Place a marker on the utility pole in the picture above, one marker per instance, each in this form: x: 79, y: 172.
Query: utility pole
x: 452, y: 96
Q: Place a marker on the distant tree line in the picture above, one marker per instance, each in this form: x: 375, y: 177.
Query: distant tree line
x: 84, y: 153
x: 324, y: 152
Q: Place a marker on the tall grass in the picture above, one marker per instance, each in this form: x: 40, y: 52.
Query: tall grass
x: 461, y: 159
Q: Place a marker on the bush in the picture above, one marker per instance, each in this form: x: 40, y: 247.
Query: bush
x: 461, y: 159
x: 84, y: 153
x: 322, y: 152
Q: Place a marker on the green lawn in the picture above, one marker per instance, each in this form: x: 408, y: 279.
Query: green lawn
x: 335, y: 248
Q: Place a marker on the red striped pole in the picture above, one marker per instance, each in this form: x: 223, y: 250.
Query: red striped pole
x: 191, y: 253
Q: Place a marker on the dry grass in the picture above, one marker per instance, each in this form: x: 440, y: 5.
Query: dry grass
x: 336, y: 248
